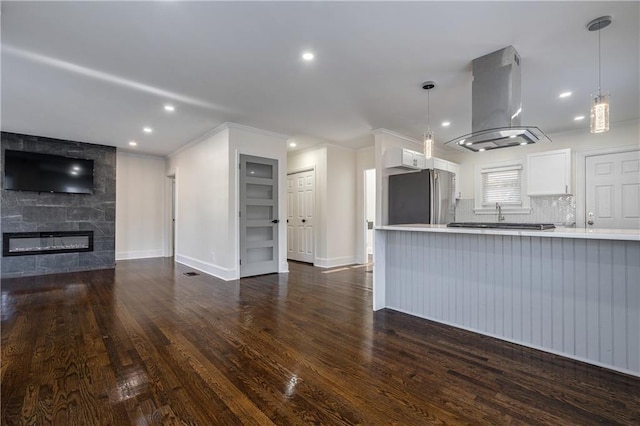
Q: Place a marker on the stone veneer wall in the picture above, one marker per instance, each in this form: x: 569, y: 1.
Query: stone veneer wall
x: 25, y: 211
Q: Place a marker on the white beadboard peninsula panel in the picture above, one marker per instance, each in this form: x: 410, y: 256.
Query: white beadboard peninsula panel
x: 574, y: 297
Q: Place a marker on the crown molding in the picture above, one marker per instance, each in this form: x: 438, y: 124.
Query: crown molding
x: 227, y: 125
x: 382, y: 131
x: 246, y: 128
x: 222, y: 127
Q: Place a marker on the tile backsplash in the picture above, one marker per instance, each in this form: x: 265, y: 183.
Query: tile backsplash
x: 558, y: 209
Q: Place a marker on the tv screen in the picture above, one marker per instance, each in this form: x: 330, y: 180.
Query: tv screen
x: 30, y: 171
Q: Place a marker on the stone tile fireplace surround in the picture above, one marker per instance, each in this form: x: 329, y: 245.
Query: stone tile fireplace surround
x: 47, y: 213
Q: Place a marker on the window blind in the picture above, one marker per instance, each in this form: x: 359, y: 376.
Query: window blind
x: 502, y: 185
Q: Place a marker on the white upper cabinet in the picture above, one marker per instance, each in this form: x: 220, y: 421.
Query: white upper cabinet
x: 407, y: 159
x: 455, y: 169
x: 403, y: 158
x: 549, y: 173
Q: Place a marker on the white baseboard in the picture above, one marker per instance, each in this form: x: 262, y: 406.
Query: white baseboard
x: 208, y: 268
x: 139, y: 254
x: 332, y: 262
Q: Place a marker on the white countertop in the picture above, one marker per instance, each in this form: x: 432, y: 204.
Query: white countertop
x: 591, y: 234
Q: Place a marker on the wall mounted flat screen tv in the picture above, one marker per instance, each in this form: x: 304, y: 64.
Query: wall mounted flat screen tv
x: 31, y: 171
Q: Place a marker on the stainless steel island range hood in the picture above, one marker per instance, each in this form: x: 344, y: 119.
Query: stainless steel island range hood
x: 496, y: 105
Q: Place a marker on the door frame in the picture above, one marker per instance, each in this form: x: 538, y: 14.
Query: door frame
x: 171, y: 215
x: 363, y: 219
x: 581, y: 178
x: 315, y: 208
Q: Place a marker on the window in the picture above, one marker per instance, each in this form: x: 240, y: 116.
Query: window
x: 504, y: 183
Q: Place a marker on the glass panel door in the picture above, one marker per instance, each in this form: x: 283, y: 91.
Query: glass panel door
x: 258, y: 215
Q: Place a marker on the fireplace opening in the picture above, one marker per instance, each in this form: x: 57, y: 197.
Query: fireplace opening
x: 26, y: 243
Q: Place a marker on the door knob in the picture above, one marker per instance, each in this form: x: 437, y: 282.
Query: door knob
x: 590, y: 220
x: 304, y: 220
x: 275, y: 221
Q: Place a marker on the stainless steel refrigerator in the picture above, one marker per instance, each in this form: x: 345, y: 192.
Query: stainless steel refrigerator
x: 426, y: 196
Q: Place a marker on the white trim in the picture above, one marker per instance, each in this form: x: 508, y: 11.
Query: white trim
x: 383, y: 131
x: 581, y: 178
x: 332, y: 262
x: 230, y: 125
x: 506, y: 210
x: 199, y: 139
x: 521, y: 343
x: 227, y: 125
x: 501, y: 169
x: 208, y: 268
x: 139, y: 254
x: 124, y: 151
x: 302, y: 170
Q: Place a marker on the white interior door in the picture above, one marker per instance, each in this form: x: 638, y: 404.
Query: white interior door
x: 612, y: 189
x: 300, y: 216
x: 370, y: 209
x: 258, y: 215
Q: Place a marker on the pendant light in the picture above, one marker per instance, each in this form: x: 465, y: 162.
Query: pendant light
x: 599, y: 102
x: 428, y: 135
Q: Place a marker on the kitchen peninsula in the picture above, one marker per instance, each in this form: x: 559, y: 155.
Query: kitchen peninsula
x: 572, y: 292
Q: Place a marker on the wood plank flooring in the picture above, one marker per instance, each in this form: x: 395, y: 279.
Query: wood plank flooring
x: 145, y: 344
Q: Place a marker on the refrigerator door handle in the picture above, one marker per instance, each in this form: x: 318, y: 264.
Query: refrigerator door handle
x: 432, y: 188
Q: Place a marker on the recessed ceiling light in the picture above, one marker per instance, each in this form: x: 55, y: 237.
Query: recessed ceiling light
x: 579, y: 117
x: 292, y: 144
x: 446, y: 123
x: 481, y: 149
x: 74, y: 172
x: 513, y: 136
x: 469, y: 144
x: 76, y: 168
x: 133, y: 143
x: 308, y: 56
x: 564, y: 94
x: 169, y: 108
x: 523, y: 143
x: 147, y: 129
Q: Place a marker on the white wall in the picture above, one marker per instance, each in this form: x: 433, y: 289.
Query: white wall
x: 141, y: 217
x: 315, y: 158
x: 202, y: 199
x: 621, y: 134
x: 206, y: 171
x: 341, y: 207
x: 336, y: 201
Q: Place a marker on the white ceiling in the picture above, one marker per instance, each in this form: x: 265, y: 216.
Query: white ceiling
x: 100, y: 71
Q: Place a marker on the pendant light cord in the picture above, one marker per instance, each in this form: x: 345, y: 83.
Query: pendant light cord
x: 428, y: 116
x: 599, y: 66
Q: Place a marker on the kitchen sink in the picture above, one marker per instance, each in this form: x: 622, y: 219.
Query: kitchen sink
x: 502, y: 225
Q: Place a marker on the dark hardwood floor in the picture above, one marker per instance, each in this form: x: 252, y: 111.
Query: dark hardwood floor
x: 145, y: 344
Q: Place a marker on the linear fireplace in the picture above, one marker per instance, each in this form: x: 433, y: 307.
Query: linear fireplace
x: 26, y: 243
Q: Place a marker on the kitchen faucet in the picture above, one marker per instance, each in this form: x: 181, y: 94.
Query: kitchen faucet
x: 500, y: 216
